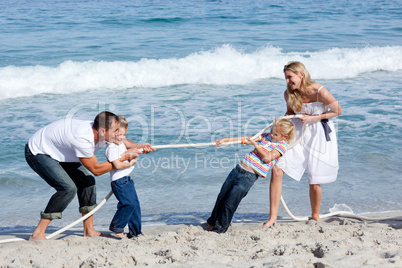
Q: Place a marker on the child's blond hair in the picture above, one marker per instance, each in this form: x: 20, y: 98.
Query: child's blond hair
x: 122, y: 122
x: 287, y: 128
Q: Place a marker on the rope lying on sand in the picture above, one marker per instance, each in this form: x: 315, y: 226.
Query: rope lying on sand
x: 346, y: 214
x: 343, y: 214
x: 86, y: 216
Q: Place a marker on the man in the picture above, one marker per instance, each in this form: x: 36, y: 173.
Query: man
x: 62, y: 153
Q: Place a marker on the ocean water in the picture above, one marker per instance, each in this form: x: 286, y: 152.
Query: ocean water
x: 194, y: 71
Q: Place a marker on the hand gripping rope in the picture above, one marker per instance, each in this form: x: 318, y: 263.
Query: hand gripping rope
x: 346, y: 214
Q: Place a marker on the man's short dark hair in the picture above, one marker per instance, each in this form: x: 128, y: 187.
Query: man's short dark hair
x: 104, y: 120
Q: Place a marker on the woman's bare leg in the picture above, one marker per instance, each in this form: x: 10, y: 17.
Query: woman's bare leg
x: 315, y: 201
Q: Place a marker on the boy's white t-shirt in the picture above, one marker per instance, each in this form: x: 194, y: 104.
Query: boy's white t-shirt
x: 114, y: 152
x: 65, y: 140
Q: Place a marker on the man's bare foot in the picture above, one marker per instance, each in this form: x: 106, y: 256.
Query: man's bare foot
x: 37, y: 238
x: 209, y: 227
x: 120, y: 235
x: 92, y: 233
x: 96, y: 234
x: 269, y: 224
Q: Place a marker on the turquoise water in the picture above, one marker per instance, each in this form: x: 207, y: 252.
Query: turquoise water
x: 194, y: 71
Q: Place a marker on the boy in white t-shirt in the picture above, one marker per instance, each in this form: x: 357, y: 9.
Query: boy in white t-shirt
x: 128, y: 208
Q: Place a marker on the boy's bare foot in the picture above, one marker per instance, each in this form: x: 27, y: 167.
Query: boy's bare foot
x: 269, y: 224
x: 120, y: 235
x: 209, y: 227
x: 37, y: 238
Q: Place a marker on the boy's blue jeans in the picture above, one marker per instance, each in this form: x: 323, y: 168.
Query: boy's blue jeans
x: 128, y: 208
x: 234, y: 189
x: 68, y: 179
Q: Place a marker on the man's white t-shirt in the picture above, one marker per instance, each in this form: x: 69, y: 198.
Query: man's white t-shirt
x: 113, y: 152
x: 65, y: 140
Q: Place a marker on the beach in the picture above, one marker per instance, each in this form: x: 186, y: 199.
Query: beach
x: 334, y: 242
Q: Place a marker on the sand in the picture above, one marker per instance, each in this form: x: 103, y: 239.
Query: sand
x: 335, y: 242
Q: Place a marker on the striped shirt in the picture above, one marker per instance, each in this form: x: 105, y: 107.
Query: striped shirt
x: 254, y: 161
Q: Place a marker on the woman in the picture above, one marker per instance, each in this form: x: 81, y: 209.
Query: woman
x: 317, y: 147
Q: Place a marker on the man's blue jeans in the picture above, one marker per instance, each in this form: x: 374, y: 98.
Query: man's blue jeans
x: 68, y: 179
x: 234, y: 189
x: 128, y: 208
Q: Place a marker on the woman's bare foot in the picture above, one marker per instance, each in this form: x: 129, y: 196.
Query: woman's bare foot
x: 209, y: 227
x: 269, y: 223
x: 315, y: 218
x: 37, y: 238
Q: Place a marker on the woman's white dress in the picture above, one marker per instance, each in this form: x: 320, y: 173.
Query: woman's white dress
x: 313, y: 151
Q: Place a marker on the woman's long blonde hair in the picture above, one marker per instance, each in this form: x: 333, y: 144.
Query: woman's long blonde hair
x: 294, y: 100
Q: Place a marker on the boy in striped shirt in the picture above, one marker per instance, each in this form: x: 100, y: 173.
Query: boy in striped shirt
x: 268, y: 149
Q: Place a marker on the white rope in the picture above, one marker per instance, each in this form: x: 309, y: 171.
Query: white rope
x: 86, y: 216
x: 343, y: 214
x: 167, y: 146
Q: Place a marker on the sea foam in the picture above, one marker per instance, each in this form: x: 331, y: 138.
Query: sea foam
x: 224, y: 65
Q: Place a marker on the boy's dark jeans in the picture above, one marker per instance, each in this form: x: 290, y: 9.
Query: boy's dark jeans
x: 234, y: 189
x: 128, y: 208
